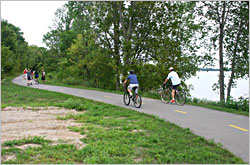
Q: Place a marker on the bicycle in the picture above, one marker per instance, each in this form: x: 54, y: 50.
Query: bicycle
x: 136, y: 98
x: 166, y: 95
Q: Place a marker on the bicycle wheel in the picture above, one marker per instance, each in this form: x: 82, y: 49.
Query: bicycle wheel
x: 126, y: 98
x: 180, y: 98
x: 137, y: 101
x: 166, y: 96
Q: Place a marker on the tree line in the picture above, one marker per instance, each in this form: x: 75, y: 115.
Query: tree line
x: 16, y: 54
x: 97, y: 42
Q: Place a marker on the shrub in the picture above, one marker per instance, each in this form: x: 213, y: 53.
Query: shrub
x: 195, y: 100
x: 240, y: 104
x: 74, y: 104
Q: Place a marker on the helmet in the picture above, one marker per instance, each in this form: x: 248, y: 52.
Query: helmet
x: 171, y: 68
x: 131, y: 71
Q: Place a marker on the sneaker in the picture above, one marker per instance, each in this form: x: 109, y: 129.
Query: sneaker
x: 130, y: 95
x: 172, y: 101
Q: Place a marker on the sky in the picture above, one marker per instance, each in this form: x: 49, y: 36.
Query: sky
x: 33, y: 17
x: 203, y: 81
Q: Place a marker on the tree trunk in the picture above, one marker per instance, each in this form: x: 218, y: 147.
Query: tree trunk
x: 230, y: 81
x: 221, y: 76
x: 116, y: 44
x: 233, y: 62
x: 221, y: 36
x: 117, y: 82
x: 127, y: 32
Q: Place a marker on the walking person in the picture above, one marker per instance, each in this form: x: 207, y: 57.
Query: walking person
x: 43, y: 75
x: 36, y: 77
x: 25, y: 74
x: 29, y: 80
x: 32, y: 76
x: 175, y: 81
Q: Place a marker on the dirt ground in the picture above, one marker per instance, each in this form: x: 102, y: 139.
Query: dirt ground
x: 17, y: 123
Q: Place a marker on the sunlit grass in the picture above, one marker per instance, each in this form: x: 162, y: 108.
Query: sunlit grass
x: 114, y: 135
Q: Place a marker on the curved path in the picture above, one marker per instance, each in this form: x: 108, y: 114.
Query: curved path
x: 231, y: 130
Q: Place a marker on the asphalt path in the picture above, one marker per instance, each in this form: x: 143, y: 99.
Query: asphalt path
x: 231, y: 130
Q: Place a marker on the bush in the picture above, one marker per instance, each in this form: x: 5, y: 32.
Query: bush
x: 151, y: 94
x: 195, y: 100
x: 73, y: 81
x: 74, y: 104
x: 3, y: 106
x: 240, y: 104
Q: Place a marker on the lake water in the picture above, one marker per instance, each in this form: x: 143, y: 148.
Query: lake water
x: 203, y: 82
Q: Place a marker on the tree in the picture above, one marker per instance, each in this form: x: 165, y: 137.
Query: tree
x: 238, y: 44
x: 229, y: 26
x: 129, y: 34
x: 14, y: 49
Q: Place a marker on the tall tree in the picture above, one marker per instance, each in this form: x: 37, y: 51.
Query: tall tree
x: 14, y: 49
x: 237, y: 39
x: 219, y: 13
x: 228, y: 22
x: 133, y: 34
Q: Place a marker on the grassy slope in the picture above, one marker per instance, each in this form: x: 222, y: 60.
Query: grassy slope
x: 114, y: 135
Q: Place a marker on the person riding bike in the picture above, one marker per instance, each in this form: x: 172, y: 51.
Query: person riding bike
x: 133, y: 83
x: 175, y: 81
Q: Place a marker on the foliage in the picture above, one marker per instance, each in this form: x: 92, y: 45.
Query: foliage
x: 123, y: 36
x: 228, y: 24
x: 14, y: 49
x: 237, y: 106
x: 16, y: 54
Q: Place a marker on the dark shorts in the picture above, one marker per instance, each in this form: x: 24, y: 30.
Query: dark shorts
x: 175, y: 86
x: 36, y: 76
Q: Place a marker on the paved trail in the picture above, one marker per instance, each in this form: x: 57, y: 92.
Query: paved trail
x: 231, y: 130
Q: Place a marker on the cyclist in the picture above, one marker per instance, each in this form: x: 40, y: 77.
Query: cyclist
x: 175, y: 81
x: 133, y: 82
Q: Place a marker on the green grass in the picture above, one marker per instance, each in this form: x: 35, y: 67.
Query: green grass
x: 201, y: 103
x: 26, y: 140
x: 114, y: 135
x: 15, y: 95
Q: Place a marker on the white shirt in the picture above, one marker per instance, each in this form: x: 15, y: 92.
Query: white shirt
x: 174, y: 78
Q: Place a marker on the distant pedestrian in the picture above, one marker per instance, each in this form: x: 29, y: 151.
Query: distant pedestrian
x: 32, y: 73
x: 43, y: 75
x: 29, y: 80
x: 36, y: 77
x: 25, y: 74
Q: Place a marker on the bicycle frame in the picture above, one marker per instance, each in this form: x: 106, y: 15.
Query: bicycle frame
x: 134, y: 97
x: 167, y: 95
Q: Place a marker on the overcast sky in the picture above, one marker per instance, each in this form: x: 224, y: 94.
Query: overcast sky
x: 33, y: 17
